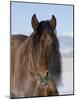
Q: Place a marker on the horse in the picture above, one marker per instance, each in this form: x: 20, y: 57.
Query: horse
x: 36, y: 61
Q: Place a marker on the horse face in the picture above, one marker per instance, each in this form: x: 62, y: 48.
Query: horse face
x: 45, y: 41
x: 43, y: 32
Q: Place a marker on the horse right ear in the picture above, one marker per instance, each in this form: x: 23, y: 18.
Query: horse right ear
x: 53, y: 22
x: 34, y: 22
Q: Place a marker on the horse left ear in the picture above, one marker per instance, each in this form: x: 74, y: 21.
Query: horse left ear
x: 34, y: 22
x: 53, y: 22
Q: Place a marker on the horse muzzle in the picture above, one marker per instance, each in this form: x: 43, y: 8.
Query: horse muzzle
x: 43, y: 80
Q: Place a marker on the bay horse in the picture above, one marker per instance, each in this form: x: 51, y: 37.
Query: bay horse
x: 36, y: 61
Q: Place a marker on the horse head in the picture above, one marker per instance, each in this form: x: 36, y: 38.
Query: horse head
x: 46, y: 48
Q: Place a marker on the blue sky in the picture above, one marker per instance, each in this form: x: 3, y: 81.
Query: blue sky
x: 23, y: 12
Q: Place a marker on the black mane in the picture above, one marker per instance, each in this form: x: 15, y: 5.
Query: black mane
x: 54, y: 64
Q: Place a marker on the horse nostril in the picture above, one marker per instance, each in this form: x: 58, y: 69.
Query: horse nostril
x: 45, y: 78
x: 47, y: 74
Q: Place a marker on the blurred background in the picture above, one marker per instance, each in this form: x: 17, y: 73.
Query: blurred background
x: 21, y: 14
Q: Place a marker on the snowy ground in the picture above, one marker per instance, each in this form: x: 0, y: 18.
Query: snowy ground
x: 66, y: 86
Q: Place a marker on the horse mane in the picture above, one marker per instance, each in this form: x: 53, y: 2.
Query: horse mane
x: 54, y: 62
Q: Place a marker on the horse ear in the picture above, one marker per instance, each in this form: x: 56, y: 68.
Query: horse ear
x: 34, y: 22
x: 53, y: 22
